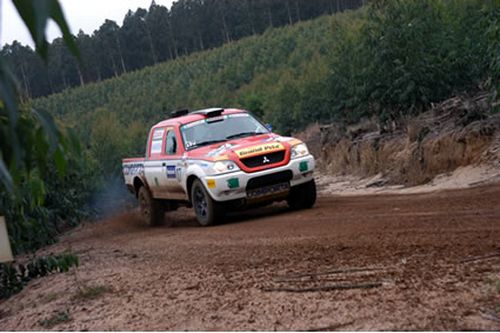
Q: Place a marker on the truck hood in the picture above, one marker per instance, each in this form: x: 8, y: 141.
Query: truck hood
x: 243, y: 147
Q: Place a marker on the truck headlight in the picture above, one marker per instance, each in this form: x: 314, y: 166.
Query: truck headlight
x: 299, y: 150
x: 224, y: 167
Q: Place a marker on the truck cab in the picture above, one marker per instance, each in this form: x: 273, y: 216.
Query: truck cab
x: 216, y: 160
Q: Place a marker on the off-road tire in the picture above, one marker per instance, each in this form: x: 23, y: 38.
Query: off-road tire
x: 207, y: 210
x: 302, y: 196
x: 151, y: 210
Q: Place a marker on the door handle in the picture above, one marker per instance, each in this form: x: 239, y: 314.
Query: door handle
x: 163, y: 164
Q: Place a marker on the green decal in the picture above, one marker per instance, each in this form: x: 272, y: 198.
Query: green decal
x: 233, y: 183
x: 303, y: 166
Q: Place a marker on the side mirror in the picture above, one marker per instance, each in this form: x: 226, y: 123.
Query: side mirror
x: 269, y: 127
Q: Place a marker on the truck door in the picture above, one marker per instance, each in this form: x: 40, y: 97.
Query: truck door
x: 173, y: 166
x: 162, y: 168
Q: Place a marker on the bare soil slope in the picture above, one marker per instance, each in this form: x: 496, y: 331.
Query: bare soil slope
x: 459, y: 132
x: 427, y: 262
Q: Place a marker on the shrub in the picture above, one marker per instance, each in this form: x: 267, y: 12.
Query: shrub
x: 408, y: 54
x: 13, y: 277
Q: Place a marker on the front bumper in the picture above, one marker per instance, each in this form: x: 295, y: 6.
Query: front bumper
x: 232, y: 186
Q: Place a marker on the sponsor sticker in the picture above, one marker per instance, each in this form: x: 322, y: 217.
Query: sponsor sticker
x: 158, y: 134
x: 133, y: 169
x: 211, y: 183
x: 303, y: 166
x: 258, y: 150
x: 219, y: 150
x: 233, y: 183
x: 171, y: 171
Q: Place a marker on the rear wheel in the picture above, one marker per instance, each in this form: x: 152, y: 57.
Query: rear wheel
x: 207, y: 210
x: 302, y: 196
x: 152, y: 211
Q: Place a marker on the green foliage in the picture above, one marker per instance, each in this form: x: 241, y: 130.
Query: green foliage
x: 386, y: 60
x: 57, y: 318
x: 394, y: 57
x: 244, y: 74
x: 51, y: 194
x: 92, y: 292
x: 408, y: 54
x: 36, y: 15
x: 14, y: 277
x: 45, y: 178
x: 148, y: 36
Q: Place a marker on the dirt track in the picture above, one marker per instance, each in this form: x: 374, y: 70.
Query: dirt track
x: 225, y: 277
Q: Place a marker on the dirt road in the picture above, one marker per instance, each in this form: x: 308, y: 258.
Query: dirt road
x: 427, y: 262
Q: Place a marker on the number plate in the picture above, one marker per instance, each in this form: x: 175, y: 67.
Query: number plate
x: 268, y: 190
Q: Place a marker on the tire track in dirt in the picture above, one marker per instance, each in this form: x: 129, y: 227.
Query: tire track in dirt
x: 429, y: 258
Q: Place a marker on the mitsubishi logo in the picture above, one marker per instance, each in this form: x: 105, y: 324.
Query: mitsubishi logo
x: 265, y: 160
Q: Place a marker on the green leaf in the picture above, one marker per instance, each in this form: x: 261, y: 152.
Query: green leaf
x: 49, y: 126
x: 9, y: 100
x: 36, y: 13
x: 37, y: 188
x: 60, y: 161
x: 58, y: 16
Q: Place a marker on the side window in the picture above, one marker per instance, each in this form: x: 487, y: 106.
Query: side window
x: 157, y: 141
x: 171, y: 145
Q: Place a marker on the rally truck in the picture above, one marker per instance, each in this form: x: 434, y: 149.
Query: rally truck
x: 218, y: 160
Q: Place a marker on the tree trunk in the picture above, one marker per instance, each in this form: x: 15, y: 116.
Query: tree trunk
x: 200, y: 39
x: 113, y: 65
x: 172, y: 38
x: 289, y: 12
x: 297, y: 8
x: 249, y: 9
x: 82, y: 83
x: 51, y: 85
x: 124, y: 68
x: 270, y: 16
x: 150, y: 39
x: 65, y: 84
x: 170, y: 54
x: 226, y: 32
x: 25, y: 81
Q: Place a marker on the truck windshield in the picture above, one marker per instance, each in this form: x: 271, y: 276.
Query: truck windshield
x: 218, y: 129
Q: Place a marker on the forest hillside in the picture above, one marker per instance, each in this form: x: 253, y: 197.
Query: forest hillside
x: 386, y: 60
x: 148, y: 36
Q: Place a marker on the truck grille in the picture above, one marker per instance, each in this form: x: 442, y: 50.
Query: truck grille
x: 266, y: 159
x: 274, y: 178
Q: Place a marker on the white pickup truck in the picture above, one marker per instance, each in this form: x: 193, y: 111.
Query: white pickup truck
x: 217, y: 160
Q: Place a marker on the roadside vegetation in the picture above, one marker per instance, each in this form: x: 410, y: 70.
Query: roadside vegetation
x: 41, y: 165
x: 387, y: 60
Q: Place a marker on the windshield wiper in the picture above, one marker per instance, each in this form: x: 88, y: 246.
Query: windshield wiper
x: 204, y: 143
x: 241, y: 135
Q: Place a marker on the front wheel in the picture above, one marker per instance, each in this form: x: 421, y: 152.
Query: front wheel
x: 302, y: 196
x: 207, y: 210
x: 152, y: 212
